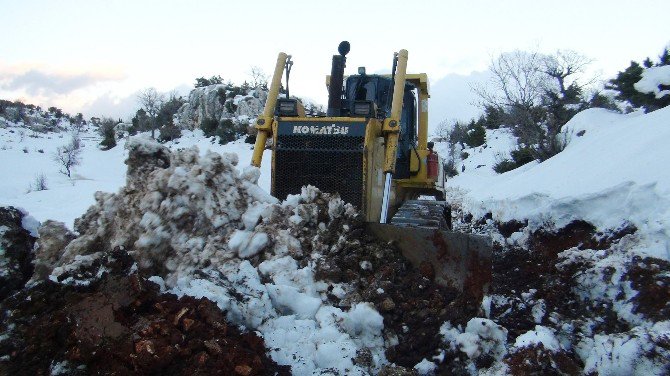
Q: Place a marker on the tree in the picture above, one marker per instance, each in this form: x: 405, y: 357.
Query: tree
x: 624, y: 84
x: 168, y: 109
x: 68, y: 156
x: 108, y: 132
x: 517, y: 81
x: 535, y: 95
x: 140, y: 122
x: 202, y: 81
x: 258, y: 78
x: 567, y: 69
x: 151, y: 101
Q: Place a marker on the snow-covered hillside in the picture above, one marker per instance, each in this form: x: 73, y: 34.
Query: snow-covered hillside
x: 613, y: 171
x: 27, y: 154
x: 586, y: 235
x: 581, y: 279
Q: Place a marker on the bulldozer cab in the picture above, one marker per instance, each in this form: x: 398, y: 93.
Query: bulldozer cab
x: 378, y: 90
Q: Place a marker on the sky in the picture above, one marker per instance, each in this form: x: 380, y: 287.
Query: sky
x: 94, y: 56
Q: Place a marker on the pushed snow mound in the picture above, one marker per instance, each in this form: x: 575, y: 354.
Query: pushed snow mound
x: 175, y: 213
x: 202, y: 228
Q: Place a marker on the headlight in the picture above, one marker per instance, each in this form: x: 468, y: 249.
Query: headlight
x: 287, y: 107
x: 364, y: 108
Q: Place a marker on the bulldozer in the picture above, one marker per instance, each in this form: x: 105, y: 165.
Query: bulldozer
x: 372, y: 149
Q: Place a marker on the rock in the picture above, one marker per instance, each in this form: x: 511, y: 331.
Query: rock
x: 243, y: 370
x: 16, y: 252
x: 54, y: 237
x: 387, y: 305
x: 212, y: 102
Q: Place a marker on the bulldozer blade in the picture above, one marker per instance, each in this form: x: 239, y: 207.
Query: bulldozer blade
x: 459, y: 260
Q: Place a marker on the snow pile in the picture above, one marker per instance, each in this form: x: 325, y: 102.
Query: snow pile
x: 652, y: 79
x: 541, y: 335
x: 480, y: 337
x: 204, y: 229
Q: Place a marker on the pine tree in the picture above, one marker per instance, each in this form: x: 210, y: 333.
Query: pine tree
x: 624, y: 85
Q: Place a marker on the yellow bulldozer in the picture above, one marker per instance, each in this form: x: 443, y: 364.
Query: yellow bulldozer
x: 372, y: 149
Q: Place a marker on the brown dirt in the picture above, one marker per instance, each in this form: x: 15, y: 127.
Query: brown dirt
x: 538, y: 361
x: 650, y: 277
x: 122, y: 325
x: 413, y: 306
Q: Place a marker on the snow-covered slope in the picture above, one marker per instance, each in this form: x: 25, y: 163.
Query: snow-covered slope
x: 615, y: 169
x: 583, y: 241
x: 66, y: 199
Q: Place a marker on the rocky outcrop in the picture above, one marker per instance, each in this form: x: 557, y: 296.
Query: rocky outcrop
x: 219, y: 102
x: 16, y: 252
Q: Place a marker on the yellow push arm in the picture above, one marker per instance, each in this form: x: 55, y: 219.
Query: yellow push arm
x: 264, y: 122
x: 391, y: 127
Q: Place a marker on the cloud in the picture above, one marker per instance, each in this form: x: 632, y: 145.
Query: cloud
x: 113, y: 106
x: 123, y: 106
x: 37, y: 82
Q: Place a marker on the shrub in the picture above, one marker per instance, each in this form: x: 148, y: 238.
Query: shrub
x: 67, y: 156
x: 522, y: 155
x: 209, y: 127
x: 40, y: 183
x: 476, y: 135
x: 450, y: 168
x: 202, y: 81
x: 169, y: 132
x: 230, y: 107
x: 504, y: 166
x: 227, y: 131
x: 250, y: 139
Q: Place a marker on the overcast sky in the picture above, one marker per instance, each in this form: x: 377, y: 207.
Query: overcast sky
x: 93, y: 56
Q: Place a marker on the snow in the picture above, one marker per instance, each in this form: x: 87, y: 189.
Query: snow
x: 425, y: 367
x: 481, y: 336
x: 247, y: 243
x: 66, y: 199
x: 612, y: 173
x: 615, y: 172
x: 651, y: 80
x: 541, y: 335
x: 621, y: 354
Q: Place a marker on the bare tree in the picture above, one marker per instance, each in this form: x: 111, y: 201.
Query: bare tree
x: 258, y: 77
x: 151, y: 101
x: 566, y: 68
x: 68, y: 156
x: 443, y: 129
x: 517, y: 81
x: 536, y: 94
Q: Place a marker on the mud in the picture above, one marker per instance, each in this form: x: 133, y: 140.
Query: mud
x: 122, y: 325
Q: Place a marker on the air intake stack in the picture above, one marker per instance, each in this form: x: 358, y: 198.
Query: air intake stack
x: 337, y: 79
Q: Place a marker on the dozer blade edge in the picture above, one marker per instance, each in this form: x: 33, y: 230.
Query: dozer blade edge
x: 461, y: 261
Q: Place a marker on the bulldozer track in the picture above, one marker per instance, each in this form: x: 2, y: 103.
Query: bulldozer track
x: 424, y: 214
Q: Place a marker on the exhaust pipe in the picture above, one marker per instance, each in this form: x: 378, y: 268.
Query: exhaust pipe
x: 337, y: 80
